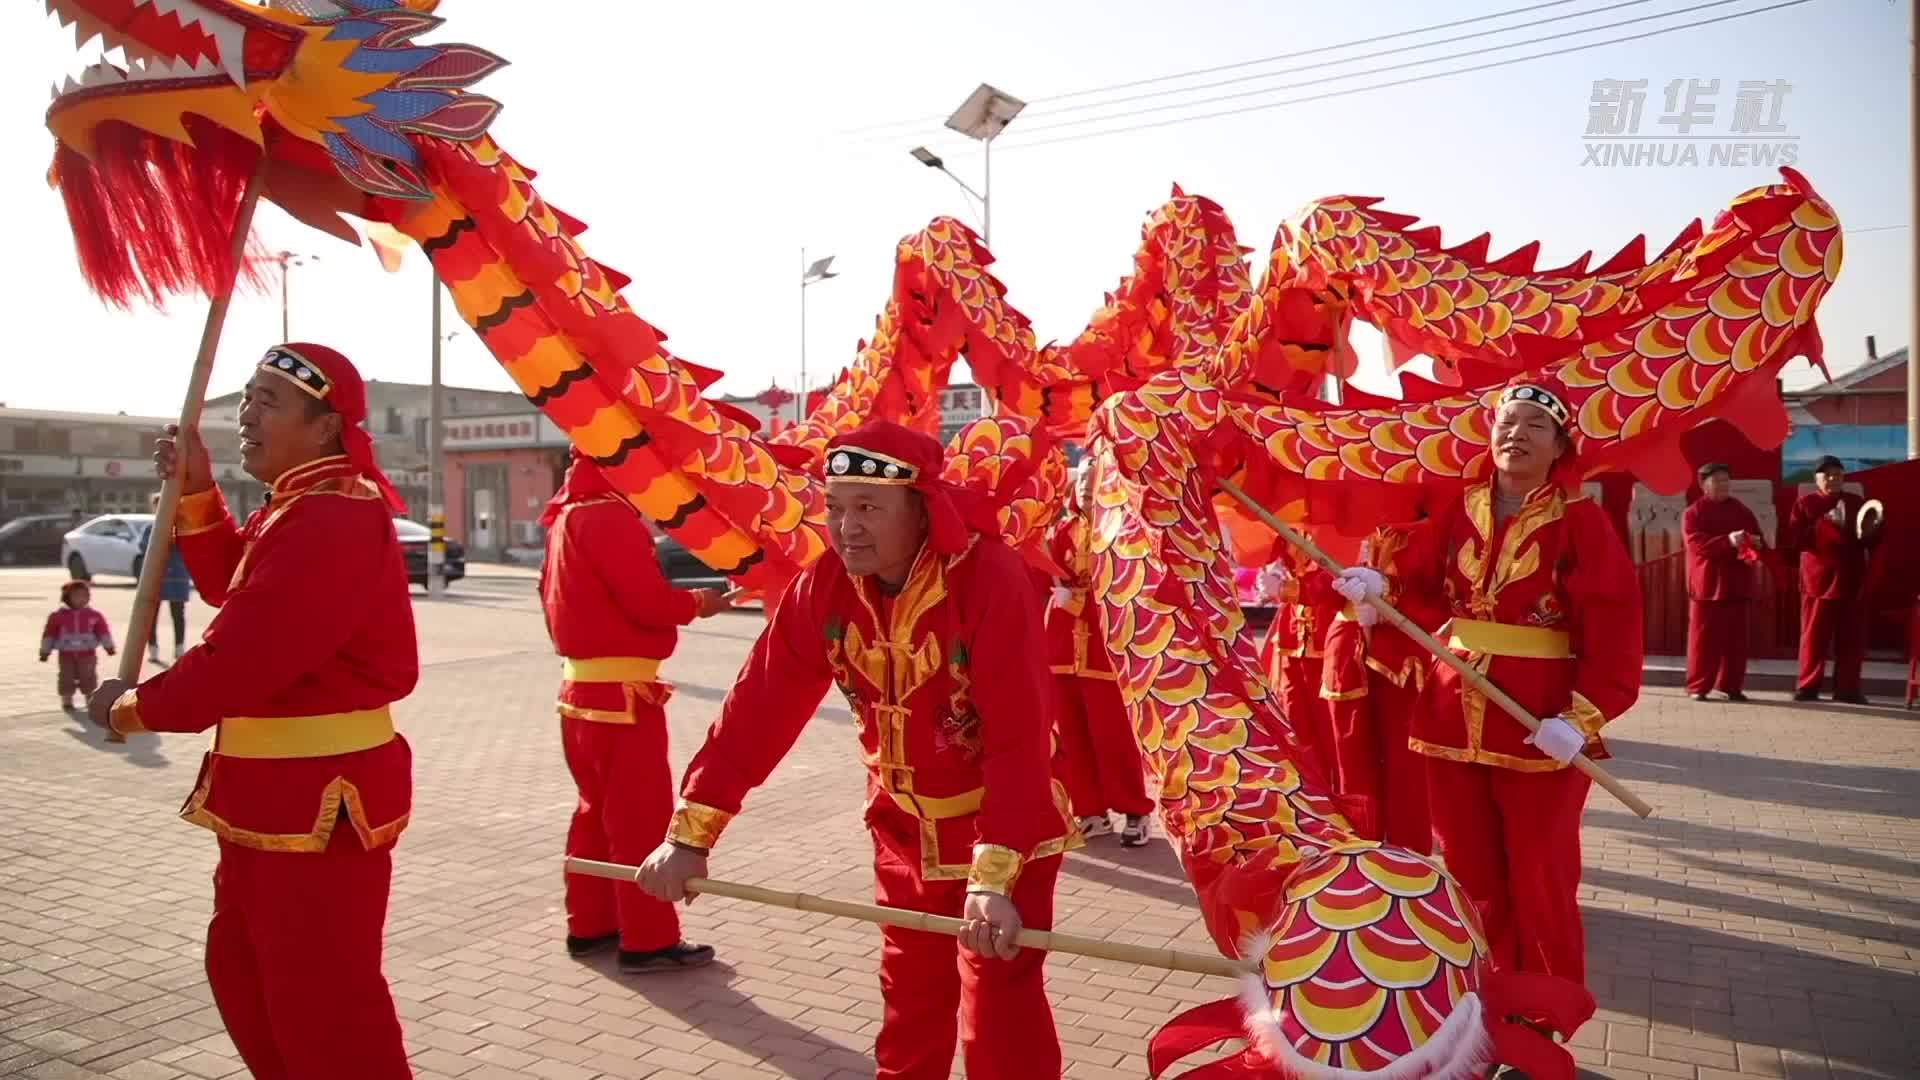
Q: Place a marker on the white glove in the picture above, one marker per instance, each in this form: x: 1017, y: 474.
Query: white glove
x: 1738, y: 537
x: 1360, y: 584
x: 1838, y: 515
x: 1366, y: 614
x: 1558, y: 739
x: 1062, y: 596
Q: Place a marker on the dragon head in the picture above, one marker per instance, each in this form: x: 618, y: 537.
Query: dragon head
x: 334, y: 93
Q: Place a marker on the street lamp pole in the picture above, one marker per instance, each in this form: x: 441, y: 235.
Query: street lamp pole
x: 436, y: 499
x: 810, y: 274
x: 287, y: 259
x: 983, y: 116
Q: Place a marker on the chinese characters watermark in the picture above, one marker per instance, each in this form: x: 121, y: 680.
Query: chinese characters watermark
x: 1684, y: 132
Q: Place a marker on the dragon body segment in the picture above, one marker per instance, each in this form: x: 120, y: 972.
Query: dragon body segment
x: 1371, y: 961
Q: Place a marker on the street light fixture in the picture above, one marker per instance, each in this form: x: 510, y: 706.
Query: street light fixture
x: 983, y: 116
x: 286, y: 259
x: 811, y: 274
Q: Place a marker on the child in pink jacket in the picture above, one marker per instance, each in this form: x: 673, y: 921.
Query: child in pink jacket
x: 76, y: 631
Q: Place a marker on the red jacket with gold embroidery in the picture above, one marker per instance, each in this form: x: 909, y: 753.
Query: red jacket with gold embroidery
x: 1547, y: 605
x: 609, y: 610
x: 1075, y: 641
x: 313, y: 642
x: 945, y: 679
x: 1305, y: 611
x: 1353, y: 650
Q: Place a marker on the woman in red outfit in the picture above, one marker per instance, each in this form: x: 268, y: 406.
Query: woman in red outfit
x: 1544, y: 601
x: 927, y: 624
x: 613, y: 618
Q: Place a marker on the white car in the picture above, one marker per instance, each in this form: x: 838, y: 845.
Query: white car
x: 106, y: 545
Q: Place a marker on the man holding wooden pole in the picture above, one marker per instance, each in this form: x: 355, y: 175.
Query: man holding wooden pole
x: 1544, y: 602
x: 308, y: 785
x: 927, y: 624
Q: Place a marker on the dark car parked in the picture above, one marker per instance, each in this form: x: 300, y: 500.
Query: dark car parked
x: 414, y: 538
x: 33, y: 540
x: 680, y: 567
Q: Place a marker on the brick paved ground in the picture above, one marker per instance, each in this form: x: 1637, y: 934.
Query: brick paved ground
x: 1765, y: 924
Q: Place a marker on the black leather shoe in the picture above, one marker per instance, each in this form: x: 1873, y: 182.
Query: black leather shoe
x: 1852, y: 699
x: 1806, y: 695
x: 1735, y: 695
x: 681, y: 957
x: 1699, y: 697
x: 587, y: 946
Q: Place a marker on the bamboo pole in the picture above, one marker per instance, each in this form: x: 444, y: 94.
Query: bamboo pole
x: 1046, y: 940
x: 1413, y: 630
x: 146, y: 597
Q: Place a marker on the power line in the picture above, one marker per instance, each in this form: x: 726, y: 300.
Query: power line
x: 1386, y: 69
x: 1402, y: 82
x: 1873, y: 229
x: 1416, y: 46
x: 1296, y: 54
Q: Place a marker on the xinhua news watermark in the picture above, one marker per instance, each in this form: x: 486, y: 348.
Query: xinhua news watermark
x: 1685, y: 133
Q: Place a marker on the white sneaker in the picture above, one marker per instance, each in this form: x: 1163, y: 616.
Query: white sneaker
x: 179, y: 651
x: 153, y: 653
x: 1093, y: 826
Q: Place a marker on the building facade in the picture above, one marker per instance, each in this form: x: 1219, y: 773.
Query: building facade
x: 96, y: 463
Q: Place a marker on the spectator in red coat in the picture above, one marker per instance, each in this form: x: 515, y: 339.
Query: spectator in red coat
x: 1825, y: 526
x: 1722, y: 542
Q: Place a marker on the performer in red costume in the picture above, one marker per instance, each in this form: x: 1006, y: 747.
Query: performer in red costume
x: 926, y: 623
x: 1373, y: 676
x: 614, y: 618
x: 1293, y: 652
x: 1102, y: 761
x: 1722, y: 539
x: 1825, y: 526
x: 1544, y: 601
x: 308, y: 785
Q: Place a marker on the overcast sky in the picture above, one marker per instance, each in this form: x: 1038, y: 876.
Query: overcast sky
x: 702, y: 143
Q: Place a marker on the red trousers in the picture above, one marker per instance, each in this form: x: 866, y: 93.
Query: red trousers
x: 1512, y: 840
x: 1717, y: 646
x: 934, y: 990
x: 1839, y: 627
x: 78, y: 671
x: 293, y: 956
x: 1102, y: 767
x: 1298, y: 684
x: 626, y: 800
x: 1375, y: 770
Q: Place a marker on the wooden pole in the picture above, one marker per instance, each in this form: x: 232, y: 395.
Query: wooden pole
x: 1049, y: 941
x: 146, y: 597
x: 1431, y: 644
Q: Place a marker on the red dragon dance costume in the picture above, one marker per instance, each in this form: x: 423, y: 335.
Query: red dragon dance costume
x: 613, y: 619
x: 308, y: 786
x: 1372, y: 681
x: 943, y: 678
x: 1546, y: 604
x: 1101, y: 759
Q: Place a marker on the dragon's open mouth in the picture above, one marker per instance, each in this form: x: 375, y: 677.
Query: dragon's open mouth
x: 171, y: 44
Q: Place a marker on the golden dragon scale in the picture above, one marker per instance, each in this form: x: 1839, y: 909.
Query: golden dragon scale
x: 1371, y: 962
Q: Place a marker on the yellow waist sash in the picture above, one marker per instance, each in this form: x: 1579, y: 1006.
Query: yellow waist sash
x: 620, y: 669
x: 303, y: 736
x: 939, y: 808
x: 1507, y: 639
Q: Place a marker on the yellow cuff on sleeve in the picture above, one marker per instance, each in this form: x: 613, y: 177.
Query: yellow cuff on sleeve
x: 1582, y: 715
x: 697, y: 825
x: 125, y: 716
x: 994, y: 869
x: 200, y: 511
